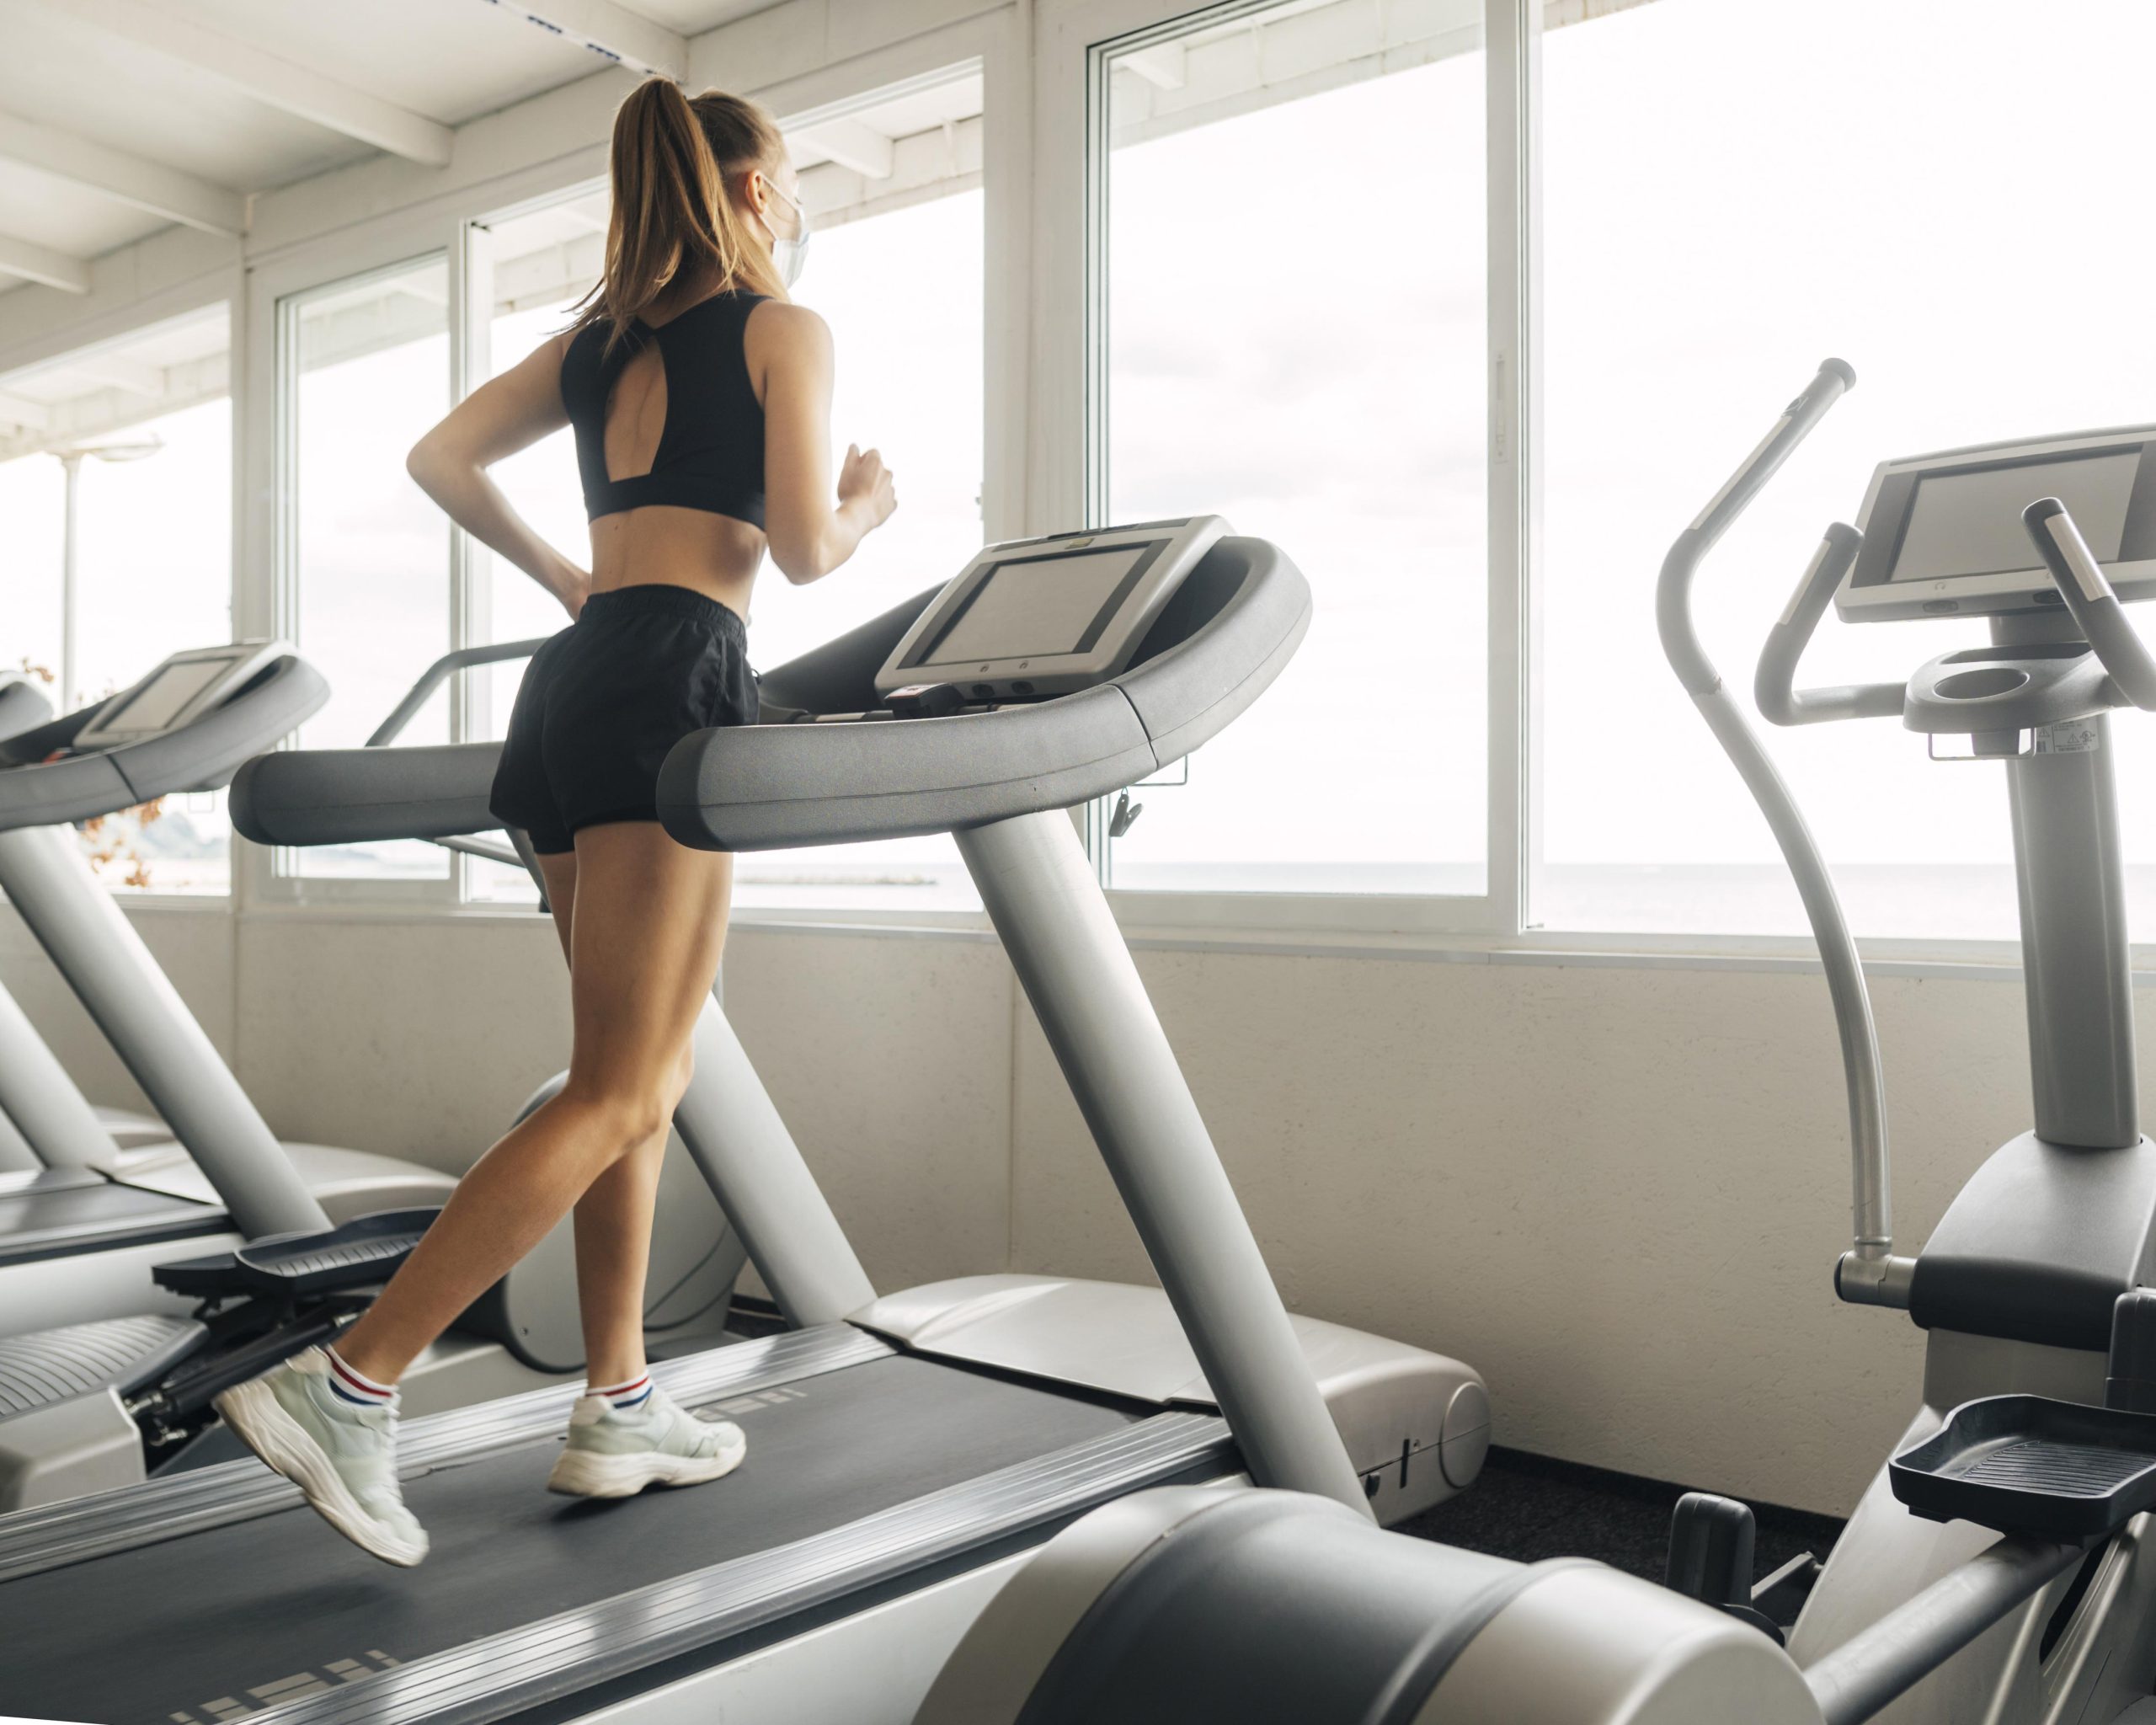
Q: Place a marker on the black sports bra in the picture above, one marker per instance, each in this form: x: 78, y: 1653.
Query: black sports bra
x: 710, y: 449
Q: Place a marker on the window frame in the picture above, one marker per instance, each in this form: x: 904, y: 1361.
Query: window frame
x: 226, y: 287
x: 1076, y: 42
x: 1043, y: 74
x: 455, y: 225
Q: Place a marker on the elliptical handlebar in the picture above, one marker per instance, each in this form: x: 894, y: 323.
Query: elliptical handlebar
x: 1680, y: 640
x: 2088, y: 596
x: 1773, y: 686
x: 1869, y: 1273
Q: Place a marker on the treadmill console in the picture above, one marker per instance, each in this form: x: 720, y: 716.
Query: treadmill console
x: 1943, y: 534
x: 185, y: 686
x: 1035, y: 617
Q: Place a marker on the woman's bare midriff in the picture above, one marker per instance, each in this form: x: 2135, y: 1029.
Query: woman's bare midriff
x: 714, y: 555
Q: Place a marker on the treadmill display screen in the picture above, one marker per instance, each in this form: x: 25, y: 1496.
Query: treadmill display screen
x: 164, y: 697
x: 1034, y: 606
x: 1968, y: 522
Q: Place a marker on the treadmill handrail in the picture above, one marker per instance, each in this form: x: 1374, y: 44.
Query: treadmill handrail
x: 305, y: 796
x: 1869, y: 1273
x: 757, y: 787
x: 38, y: 793
x: 351, y: 796
x: 444, y: 668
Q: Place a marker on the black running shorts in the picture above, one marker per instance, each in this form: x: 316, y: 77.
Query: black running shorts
x: 602, y: 703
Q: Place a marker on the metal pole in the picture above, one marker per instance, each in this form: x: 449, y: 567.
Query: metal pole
x: 2077, y: 973
x: 48, y: 880
x: 1861, y: 1677
x: 71, y: 464
x: 43, y: 1102
x: 734, y: 1134
x: 1040, y: 894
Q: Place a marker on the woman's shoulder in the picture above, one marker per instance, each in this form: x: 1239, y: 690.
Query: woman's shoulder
x: 781, y: 329
x: 785, y: 318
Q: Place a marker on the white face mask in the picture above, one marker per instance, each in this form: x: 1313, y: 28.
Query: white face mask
x: 789, y: 255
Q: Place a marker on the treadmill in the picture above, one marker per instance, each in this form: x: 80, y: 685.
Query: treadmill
x: 891, y: 1486
x: 99, y: 1404
x: 80, y: 1229
x: 23, y: 705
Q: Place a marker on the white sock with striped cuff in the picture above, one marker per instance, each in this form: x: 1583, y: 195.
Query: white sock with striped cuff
x: 624, y: 1399
x: 356, y: 1387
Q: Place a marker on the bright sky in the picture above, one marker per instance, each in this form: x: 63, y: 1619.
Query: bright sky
x: 1297, y: 341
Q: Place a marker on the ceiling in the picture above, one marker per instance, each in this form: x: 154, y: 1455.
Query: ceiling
x: 119, y: 117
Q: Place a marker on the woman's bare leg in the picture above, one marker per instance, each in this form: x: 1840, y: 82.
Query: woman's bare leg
x: 649, y: 921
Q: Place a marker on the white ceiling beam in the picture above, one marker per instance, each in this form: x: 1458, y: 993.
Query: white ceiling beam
x: 850, y: 144
x: 1164, y: 66
x: 28, y: 415
x: 133, y: 181
x: 276, y: 82
x: 116, y: 372
x: 609, y: 29
x: 41, y: 264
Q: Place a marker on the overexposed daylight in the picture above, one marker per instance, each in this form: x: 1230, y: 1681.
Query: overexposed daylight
x: 1050, y: 862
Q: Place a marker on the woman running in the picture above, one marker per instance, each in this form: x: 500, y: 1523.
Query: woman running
x: 700, y: 400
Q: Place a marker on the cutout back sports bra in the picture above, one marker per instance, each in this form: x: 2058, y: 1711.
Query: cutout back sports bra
x: 711, y: 448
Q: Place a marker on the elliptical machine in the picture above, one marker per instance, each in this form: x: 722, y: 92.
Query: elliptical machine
x: 2032, y: 1272
x: 1999, y: 1569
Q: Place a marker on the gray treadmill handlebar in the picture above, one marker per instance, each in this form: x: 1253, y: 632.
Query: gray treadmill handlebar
x: 1772, y: 687
x: 201, y: 754
x: 1869, y: 1273
x: 432, y: 678
x: 349, y: 796
x: 2088, y: 595
x: 764, y: 786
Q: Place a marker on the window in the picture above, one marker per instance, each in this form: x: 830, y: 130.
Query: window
x: 366, y: 369
x: 542, y: 263
x: 1295, y: 339
x: 902, y: 293
x: 1874, y: 204
x: 115, y: 474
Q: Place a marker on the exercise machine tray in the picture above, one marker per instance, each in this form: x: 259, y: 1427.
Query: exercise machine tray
x: 2028, y: 1465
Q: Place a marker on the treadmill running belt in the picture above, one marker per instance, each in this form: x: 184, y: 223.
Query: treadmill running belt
x: 201, y: 1630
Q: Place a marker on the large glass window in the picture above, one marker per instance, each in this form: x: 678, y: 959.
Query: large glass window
x: 1296, y: 333
x: 1944, y: 198
x: 115, y: 476
x: 902, y: 292
x: 366, y: 363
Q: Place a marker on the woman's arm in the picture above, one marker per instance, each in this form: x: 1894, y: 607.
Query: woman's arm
x: 789, y: 353
x: 497, y: 419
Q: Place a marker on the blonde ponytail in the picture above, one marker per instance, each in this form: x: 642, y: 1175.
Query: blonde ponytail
x: 673, y: 211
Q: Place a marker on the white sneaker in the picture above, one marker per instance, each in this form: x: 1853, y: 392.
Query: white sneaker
x: 341, y: 1454
x: 615, y: 1452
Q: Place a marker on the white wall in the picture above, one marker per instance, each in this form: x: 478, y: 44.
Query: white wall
x: 1618, y: 1188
